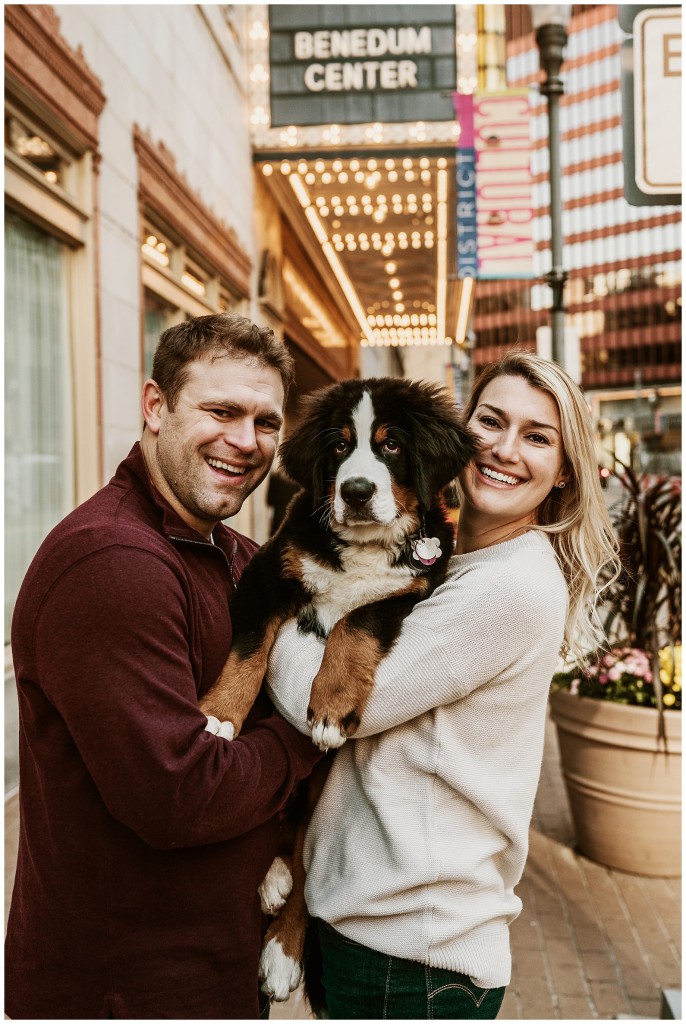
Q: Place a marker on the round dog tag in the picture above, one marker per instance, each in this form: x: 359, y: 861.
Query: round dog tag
x: 426, y: 550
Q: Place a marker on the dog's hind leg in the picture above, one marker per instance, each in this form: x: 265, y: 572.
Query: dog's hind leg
x: 281, y: 962
x: 276, y: 886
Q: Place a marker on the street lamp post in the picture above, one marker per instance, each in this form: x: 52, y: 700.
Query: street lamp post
x: 550, y: 21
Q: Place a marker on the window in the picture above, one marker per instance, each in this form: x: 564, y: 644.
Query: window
x: 158, y: 316
x: 52, y: 106
x: 176, y: 286
x: 39, y: 472
x: 32, y: 147
x: 191, y: 263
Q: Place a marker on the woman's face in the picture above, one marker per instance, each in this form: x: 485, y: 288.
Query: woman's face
x: 520, y: 457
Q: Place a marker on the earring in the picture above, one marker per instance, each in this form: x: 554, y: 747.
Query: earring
x: 560, y: 485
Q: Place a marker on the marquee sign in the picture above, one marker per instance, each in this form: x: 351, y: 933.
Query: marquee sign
x: 342, y: 64
x: 465, y: 178
x: 504, y: 188
x: 494, y: 187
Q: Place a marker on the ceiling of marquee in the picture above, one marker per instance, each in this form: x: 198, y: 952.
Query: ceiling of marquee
x: 386, y: 223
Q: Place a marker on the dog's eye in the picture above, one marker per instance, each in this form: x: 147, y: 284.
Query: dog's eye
x: 341, y: 447
x: 390, y: 446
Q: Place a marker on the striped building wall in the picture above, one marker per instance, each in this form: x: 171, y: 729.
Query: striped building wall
x: 623, y: 295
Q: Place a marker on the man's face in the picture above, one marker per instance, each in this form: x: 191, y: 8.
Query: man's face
x: 218, y: 443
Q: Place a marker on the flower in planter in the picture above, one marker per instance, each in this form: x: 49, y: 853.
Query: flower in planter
x: 670, y: 676
x: 625, y: 675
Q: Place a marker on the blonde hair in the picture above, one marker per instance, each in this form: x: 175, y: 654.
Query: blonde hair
x: 575, y: 518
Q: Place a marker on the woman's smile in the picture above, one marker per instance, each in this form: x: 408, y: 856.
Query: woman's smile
x: 496, y: 476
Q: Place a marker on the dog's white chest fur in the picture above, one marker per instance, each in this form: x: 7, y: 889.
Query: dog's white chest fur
x: 367, y: 576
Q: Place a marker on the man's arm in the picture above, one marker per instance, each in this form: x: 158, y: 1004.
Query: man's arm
x: 118, y: 670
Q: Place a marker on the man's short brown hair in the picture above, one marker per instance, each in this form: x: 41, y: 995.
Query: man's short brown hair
x: 219, y: 334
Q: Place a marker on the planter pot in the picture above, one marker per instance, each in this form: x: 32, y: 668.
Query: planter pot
x: 624, y: 790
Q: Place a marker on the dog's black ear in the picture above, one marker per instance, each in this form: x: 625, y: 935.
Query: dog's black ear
x: 441, y: 446
x: 303, y: 454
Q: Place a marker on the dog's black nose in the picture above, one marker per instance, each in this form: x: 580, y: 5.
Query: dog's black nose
x: 357, y: 491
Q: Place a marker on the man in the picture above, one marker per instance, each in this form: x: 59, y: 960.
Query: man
x: 144, y: 836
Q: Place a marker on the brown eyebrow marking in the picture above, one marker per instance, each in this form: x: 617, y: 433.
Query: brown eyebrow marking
x: 346, y: 434
x: 380, y: 434
x: 529, y: 423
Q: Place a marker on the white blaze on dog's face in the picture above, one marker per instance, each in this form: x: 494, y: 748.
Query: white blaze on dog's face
x: 364, y: 485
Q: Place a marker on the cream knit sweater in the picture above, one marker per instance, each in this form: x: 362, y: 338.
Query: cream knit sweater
x: 421, y: 833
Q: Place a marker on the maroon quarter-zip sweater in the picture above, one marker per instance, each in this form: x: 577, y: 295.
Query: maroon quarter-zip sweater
x: 143, y: 838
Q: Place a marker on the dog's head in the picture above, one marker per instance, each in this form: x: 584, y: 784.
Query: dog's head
x: 377, y: 451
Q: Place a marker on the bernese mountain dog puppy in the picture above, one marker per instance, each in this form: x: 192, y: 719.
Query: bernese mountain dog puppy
x: 365, y: 539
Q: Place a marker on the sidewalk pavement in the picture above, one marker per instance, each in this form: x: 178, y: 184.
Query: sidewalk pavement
x: 590, y: 943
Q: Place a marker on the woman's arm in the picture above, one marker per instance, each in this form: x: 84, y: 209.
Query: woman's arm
x: 466, y: 634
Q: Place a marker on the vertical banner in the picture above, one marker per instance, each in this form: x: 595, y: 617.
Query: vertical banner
x: 465, y: 171
x: 503, y: 185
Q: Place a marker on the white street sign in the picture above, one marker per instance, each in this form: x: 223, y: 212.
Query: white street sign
x: 657, y: 100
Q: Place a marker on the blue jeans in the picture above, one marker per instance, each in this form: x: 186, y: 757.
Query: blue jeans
x: 363, y: 984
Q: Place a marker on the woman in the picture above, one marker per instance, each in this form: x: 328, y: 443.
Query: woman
x: 420, y: 835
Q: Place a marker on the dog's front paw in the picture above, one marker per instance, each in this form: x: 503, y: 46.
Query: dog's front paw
x: 332, y: 720
x: 280, y: 973
x: 217, y: 728
x: 276, y: 887
x: 325, y: 734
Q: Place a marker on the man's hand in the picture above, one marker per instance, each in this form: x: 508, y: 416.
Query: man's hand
x: 217, y: 728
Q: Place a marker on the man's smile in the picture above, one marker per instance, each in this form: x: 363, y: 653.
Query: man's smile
x: 229, y: 468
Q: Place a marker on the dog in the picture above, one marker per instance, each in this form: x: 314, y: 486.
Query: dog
x: 363, y: 541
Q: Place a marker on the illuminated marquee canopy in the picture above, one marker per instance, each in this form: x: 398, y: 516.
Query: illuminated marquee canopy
x: 354, y: 130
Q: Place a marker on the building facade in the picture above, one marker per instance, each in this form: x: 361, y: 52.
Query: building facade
x: 131, y: 204
x: 623, y: 293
